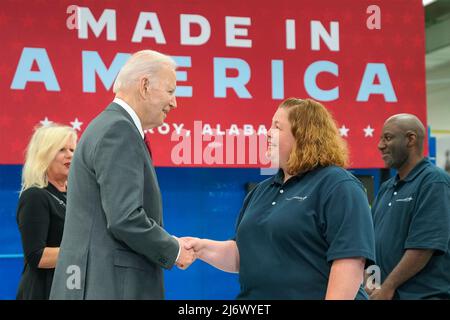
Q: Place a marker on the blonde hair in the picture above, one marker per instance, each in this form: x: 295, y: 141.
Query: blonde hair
x: 317, y: 139
x: 141, y: 63
x: 41, y: 150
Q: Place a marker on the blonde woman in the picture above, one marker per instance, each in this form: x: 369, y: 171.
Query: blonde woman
x: 42, y: 206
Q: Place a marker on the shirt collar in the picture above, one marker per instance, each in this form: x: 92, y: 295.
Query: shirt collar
x: 132, y: 114
x: 425, y: 162
x: 278, y: 178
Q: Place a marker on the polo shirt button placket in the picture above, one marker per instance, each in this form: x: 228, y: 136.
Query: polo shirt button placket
x: 394, y: 194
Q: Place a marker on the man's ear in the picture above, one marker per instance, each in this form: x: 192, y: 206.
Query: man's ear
x: 144, y: 85
x: 411, y: 136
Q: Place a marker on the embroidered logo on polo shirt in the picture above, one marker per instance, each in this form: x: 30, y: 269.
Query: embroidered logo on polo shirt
x: 405, y: 199
x: 297, y: 198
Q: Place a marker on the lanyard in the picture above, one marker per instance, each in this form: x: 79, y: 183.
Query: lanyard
x: 61, y: 202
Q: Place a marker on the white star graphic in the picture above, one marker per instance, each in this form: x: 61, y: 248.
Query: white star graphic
x: 343, y: 131
x: 368, y: 132
x: 46, y: 122
x: 76, y: 125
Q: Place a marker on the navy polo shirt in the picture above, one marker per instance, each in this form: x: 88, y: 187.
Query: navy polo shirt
x: 414, y: 213
x: 289, y: 233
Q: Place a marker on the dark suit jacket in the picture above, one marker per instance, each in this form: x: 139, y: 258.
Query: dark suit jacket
x: 113, y: 245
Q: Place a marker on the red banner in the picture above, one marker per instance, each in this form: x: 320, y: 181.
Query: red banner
x: 364, y: 60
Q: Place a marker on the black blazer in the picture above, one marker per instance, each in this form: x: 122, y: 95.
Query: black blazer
x: 40, y: 217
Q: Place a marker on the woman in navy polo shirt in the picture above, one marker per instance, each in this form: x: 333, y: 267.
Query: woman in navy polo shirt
x: 306, y: 232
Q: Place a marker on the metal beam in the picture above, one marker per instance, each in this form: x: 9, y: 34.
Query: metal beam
x: 438, y: 36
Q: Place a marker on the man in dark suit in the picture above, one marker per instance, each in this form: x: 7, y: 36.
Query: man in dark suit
x: 114, y: 245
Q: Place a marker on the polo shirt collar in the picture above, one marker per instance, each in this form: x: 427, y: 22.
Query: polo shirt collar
x: 279, y: 177
x: 424, y: 163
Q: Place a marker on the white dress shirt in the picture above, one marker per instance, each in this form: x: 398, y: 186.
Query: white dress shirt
x: 132, y: 114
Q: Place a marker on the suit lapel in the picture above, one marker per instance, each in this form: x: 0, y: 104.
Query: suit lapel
x: 117, y: 108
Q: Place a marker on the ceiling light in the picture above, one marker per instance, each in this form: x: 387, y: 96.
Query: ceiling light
x: 427, y: 2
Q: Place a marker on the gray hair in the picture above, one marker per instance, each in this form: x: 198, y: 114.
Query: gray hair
x: 141, y: 63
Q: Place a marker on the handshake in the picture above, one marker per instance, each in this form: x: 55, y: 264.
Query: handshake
x: 189, y: 251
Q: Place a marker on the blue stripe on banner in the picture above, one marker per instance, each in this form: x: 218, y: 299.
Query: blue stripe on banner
x: 11, y: 256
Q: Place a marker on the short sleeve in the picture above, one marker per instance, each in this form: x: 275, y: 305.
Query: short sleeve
x: 430, y: 222
x: 33, y: 219
x: 348, y: 227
